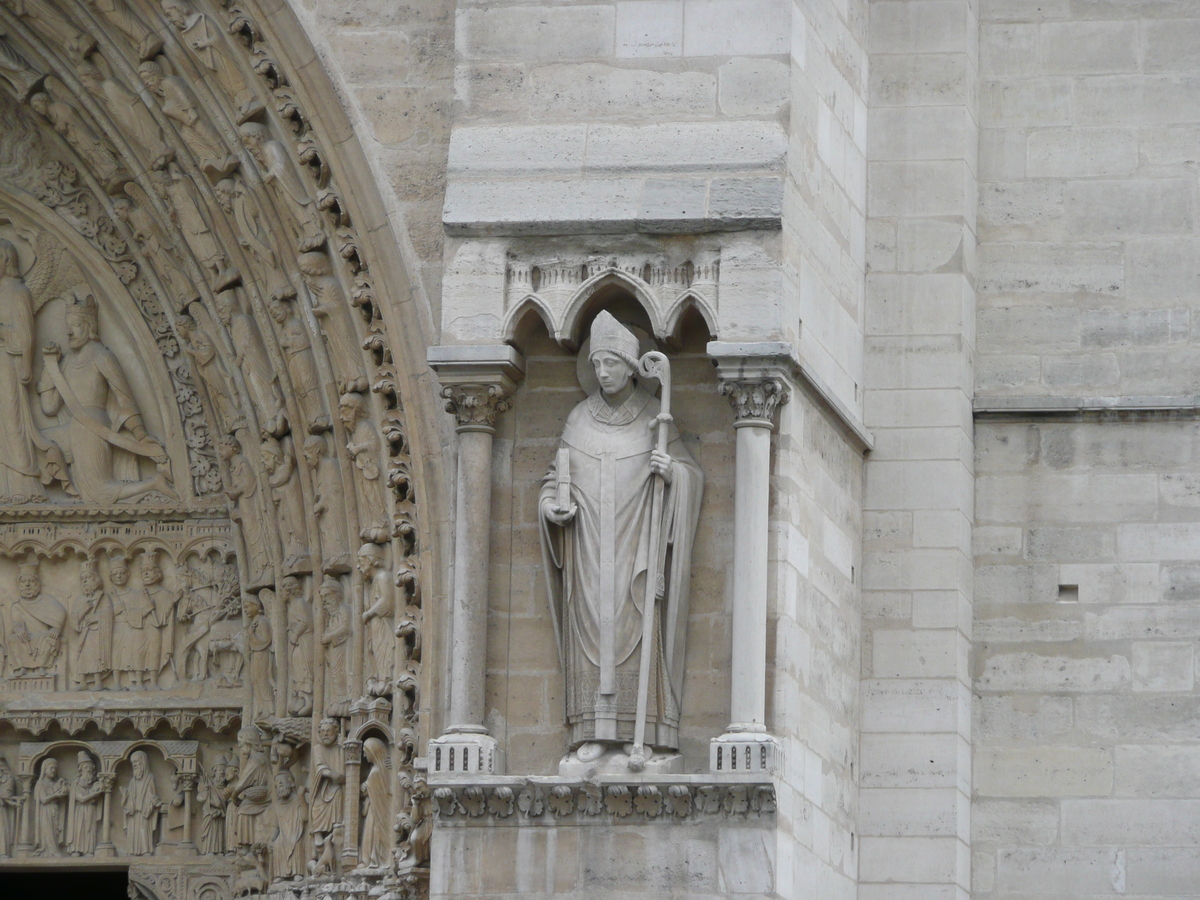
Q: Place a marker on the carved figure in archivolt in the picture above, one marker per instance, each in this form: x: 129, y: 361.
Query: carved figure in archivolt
x: 92, y: 625
x: 104, y: 436
x: 180, y: 105
x: 328, y: 505
x: 278, y: 173
x: 211, y: 795
x: 288, y: 857
x: 335, y: 638
x: 35, y: 626
x: 258, y: 649
x: 177, y: 191
x: 10, y: 800
x: 204, y: 37
x: 127, y: 108
x: 135, y: 637
x: 121, y: 17
x: 300, y: 645
x: 249, y: 510
x: 49, y: 798
x: 328, y: 766
x: 16, y: 68
x: 252, y: 791
x: 85, y: 807
x: 155, y: 244
x: 165, y: 602
x: 279, y: 461
x: 252, y: 232
x: 362, y: 441
x: 251, y: 354
x: 379, y: 605
x: 376, y: 847
x: 301, y: 364
x: 67, y: 122
x: 23, y: 451
x: 595, y: 518
x: 141, y: 805
x: 330, y: 306
x: 202, y: 350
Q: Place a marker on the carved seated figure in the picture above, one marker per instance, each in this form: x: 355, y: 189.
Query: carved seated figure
x: 103, y: 433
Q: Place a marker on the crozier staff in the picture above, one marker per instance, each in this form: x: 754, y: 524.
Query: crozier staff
x: 597, y: 551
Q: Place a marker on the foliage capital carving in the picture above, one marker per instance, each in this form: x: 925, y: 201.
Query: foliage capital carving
x: 476, y: 406
x: 755, y: 397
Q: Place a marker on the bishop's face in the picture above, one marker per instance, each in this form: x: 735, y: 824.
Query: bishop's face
x: 612, y: 372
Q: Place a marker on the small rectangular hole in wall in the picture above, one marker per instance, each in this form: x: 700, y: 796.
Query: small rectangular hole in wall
x: 1068, y: 593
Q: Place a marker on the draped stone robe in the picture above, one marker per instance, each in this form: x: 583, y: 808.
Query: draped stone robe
x: 597, y: 564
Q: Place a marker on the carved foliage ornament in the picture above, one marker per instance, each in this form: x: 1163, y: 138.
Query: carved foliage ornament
x: 755, y: 398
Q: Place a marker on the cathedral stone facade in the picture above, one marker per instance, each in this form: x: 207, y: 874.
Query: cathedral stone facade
x: 600, y: 448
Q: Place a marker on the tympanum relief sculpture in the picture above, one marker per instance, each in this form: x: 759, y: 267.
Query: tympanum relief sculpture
x: 179, y: 503
x: 619, y: 509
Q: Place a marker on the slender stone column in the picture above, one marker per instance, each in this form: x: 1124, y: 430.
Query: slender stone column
x: 477, y: 384
x: 755, y: 386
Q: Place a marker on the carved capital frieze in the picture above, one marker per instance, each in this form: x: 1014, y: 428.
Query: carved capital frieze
x: 755, y: 397
x: 476, y: 406
x: 552, y: 801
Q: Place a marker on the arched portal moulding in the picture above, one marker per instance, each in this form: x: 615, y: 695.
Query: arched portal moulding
x: 233, y: 538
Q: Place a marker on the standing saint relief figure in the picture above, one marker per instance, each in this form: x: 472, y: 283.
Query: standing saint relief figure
x: 596, y: 510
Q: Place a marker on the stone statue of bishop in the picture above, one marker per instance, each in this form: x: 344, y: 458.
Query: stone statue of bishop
x: 595, y: 509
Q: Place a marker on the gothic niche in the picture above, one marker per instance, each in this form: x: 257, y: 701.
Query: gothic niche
x: 210, y: 605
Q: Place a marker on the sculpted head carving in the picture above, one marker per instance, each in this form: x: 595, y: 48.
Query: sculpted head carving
x: 50, y: 768
x: 285, y: 784
x: 83, y: 322
x: 315, y: 263
x: 613, y: 354
x: 29, y: 580
x: 351, y: 408
x: 10, y: 266
x: 176, y: 12
x: 151, y: 571
x: 327, y: 731
x: 151, y: 74
x: 253, y: 135
x: 140, y: 762
x: 252, y: 606
x: 370, y: 558
x: 87, y: 768
x: 331, y: 593
x: 118, y: 569
x: 89, y: 578
x: 314, y: 449
x: 227, y: 191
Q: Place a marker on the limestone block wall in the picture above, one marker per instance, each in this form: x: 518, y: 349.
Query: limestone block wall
x: 919, y: 497
x: 813, y: 649
x: 611, y: 116
x: 1086, y: 612
x: 1089, y: 262
x: 824, y: 228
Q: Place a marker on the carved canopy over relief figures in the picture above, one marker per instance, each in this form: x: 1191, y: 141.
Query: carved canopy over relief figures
x: 210, y: 604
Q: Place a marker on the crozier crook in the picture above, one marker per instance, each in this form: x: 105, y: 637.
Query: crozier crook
x: 652, y: 365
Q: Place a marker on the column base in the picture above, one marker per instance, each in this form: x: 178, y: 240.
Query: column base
x: 471, y: 754
x: 745, y: 752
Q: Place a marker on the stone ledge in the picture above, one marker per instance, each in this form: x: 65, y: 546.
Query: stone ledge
x: 587, y: 205
x: 607, y: 799
x: 1186, y: 405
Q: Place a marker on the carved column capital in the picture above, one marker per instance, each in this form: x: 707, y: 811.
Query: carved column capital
x: 755, y: 398
x: 476, y: 406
